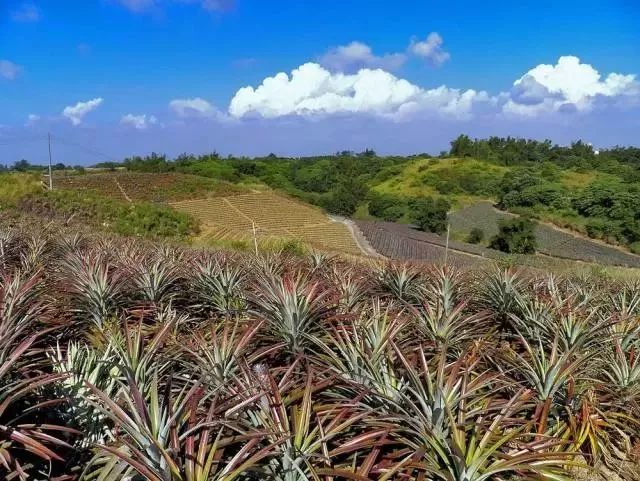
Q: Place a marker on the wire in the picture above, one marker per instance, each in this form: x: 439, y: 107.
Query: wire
x: 90, y: 150
x: 18, y: 140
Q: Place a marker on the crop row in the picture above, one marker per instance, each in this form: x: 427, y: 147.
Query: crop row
x: 550, y: 241
x: 148, y: 187
x: 398, y: 241
x: 272, y: 216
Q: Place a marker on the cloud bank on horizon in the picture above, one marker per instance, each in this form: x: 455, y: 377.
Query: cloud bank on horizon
x: 568, y: 86
x: 313, y: 110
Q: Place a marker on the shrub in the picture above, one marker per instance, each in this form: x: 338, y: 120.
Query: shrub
x: 430, y: 215
x: 476, y: 236
x: 136, y: 218
x: 393, y: 213
x: 344, y: 200
x: 387, y: 207
x: 515, y: 236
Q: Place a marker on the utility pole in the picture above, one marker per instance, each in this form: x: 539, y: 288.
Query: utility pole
x: 255, y: 237
x: 50, y: 172
x: 446, y: 249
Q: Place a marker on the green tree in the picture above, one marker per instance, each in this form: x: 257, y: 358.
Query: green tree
x: 515, y: 236
x: 22, y: 165
x: 476, y: 235
x: 430, y: 215
x: 462, y: 146
x: 387, y: 207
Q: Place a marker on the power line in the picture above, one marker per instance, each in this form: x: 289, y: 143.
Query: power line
x: 90, y: 150
x: 44, y: 137
x: 18, y: 140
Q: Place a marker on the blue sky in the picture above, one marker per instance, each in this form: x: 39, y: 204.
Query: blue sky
x: 121, y: 77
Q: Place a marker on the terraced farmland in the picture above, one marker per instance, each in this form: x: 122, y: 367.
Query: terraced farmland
x: 135, y: 186
x: 273, y: 216
x: 400, y: 241
x: 551, y: 241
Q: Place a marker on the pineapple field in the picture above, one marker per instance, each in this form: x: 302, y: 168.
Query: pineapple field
x: 125, y: 359
x: 269, y: 216
x: 146, y: 187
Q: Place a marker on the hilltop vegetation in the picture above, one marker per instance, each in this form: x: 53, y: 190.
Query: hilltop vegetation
x: 594, y: 193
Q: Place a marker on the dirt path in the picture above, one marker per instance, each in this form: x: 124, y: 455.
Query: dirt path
x: 358, y: 236
x: 123, y: 191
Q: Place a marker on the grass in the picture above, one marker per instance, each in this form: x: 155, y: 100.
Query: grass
x: 573, y: 179
x: 14, y: 186
x: 461, y: 181
x: 285, y: 245
x: 89, y: 209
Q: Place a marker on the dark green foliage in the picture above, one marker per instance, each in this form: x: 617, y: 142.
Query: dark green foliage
x: 345, y: 198
x: 23, y: 166
x: 107, y: 165
x: 612, y: 210
x: 430, y: 215
x: 515, y: 236
x: 614, y: 200
x: 387, y: 207
x: 476, y: 236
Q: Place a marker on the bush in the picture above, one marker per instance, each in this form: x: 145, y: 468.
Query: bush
x: 345, y: 198
x: 515, y: 236
x: 393, y: 213
x: 137, y: 218
x: 430, y: 215
x: 599, y: 228
x: 476, y: 236
x: 14, y: 186
x: 635, y: 247
x: 387, y: 207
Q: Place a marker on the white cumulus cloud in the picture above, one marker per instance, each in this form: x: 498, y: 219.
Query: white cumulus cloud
x: 139, y: 122
x: 9, y: 70
x: 567, y: 85
x: 430, y: 49
x: 196, y: 107
x: 357, y: 55
x: 312, y: 90
x: 75, y: 113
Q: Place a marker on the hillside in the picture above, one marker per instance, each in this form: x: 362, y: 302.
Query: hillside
x: 551, y: 240
x: 138, y: 186
x: 574, y: 187
x: 268, y: 216
x: 226, y: 214
x: 559, y: 199
x: 583, y: 203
